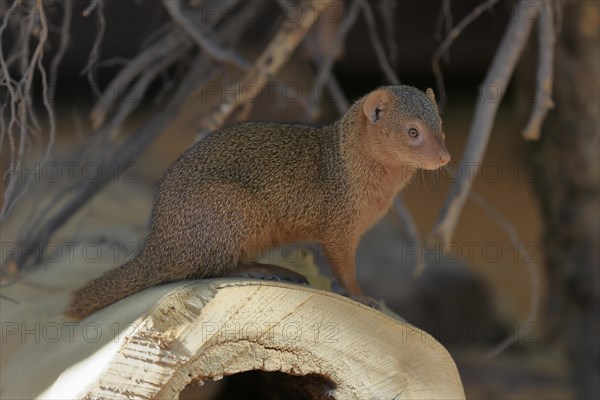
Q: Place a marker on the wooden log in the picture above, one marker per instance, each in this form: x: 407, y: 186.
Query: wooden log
x: 204, y: 330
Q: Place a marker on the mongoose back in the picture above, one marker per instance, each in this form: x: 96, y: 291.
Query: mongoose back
x: 254, y: 185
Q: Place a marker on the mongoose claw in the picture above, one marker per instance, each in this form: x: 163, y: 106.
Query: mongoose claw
x: 268, y: 272
x: 367, y: 301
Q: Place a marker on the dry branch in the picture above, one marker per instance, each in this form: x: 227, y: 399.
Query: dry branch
x: 337, y: 94
x: 412, y: 232
x: 494, y: 84
x: 444, y: 22
x: 450, y: 38
x: 125, y: 153
x: 163, y: 46
x: 94, y: 57
x: 325, y: 65
x: 64, y: 44
x: 22, y: 122
x: 377, y: 45
x: 532, y: 269
x: 269, y: 62
x: 138, y: 91
x: 545, y: 72
x: 210, y: 47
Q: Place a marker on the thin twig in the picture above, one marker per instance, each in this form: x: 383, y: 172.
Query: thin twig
x: 412, y: 231
x: 337, y: 94
x: 124, y: 78
x: 9, y: 299
x: 211, y: 48
x: 9, y: 83
x: 444, y: 19
x: 138, y: 90
x: 64, y: 44
x: 545, y: 72
x: 530, y: 264
x: 90, y: 8
x: 94, y: 57
x: 494, y: 84
x: 46, y: 99
x: 449, y: 40
x: 114, y: 61
x: 384, y: 64
x: 28, y: 21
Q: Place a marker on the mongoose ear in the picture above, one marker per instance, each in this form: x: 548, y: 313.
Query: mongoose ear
x: 375, y: 105
x: 431, y: 95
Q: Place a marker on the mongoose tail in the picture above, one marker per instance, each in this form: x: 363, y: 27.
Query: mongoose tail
x: 121, y: 282
x: 109, y: 288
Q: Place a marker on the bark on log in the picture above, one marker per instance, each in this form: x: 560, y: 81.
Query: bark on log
x: 205, y: 330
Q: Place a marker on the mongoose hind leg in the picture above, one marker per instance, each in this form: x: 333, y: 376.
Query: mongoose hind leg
x: 267, y: 272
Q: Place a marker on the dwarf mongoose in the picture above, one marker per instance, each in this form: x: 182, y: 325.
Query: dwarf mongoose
x: 254, y: 185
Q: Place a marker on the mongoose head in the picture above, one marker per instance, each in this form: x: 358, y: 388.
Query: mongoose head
x: 404, y: 128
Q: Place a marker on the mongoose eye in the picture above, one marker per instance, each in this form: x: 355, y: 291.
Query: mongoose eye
x: 413, y: 133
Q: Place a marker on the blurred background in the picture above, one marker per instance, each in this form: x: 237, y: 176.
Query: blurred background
x: 132, y: 84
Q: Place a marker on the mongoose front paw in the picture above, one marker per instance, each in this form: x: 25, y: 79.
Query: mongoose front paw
x: 367, y: 301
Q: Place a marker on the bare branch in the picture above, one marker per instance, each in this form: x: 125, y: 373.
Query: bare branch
x: 22, y: 120
x: 450, y: 38
x: 492, y: 90
x: 26, y: 28
x: 90, y: 68
x: 326, y: 64
x: 90, y: 8
x: 162, y: 47
x: 411, y: 230
x: 270, y: 61
x: 64, y: 44
x: 124, y: 154
x: 3, y: 297
x: 137, y: 92
x: 377, y: 45
x: 337, y: 94
x: 443, y: 25
x: 530, y: 264
x: 45, y: 90
x: 545, y: 72
x: 211, y: 48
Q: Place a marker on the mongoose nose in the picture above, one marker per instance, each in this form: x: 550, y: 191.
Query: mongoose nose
x: 444, y: 157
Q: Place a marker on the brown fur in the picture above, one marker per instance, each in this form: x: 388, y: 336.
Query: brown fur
x: 255, y: 185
